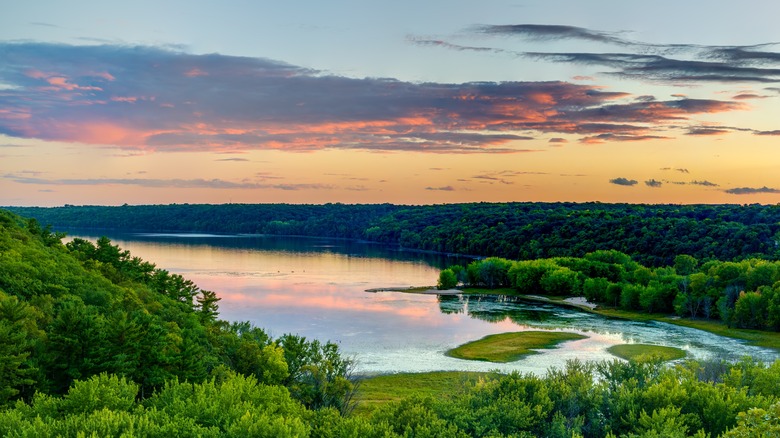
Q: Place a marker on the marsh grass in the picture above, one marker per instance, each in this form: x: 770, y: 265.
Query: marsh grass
x: 509, y: 347
x: 645, y: 352
x: 377, y: 390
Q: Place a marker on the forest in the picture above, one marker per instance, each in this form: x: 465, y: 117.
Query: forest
x: 743, y: 294
x: 652, y: 235
x: 97, y: 342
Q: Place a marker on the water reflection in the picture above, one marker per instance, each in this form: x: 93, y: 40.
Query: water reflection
x: 316, y: 288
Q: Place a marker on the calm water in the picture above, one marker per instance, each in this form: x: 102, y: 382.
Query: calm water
x: 316, y: 288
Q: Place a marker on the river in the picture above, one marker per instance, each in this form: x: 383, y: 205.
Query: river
x: 317, y: 288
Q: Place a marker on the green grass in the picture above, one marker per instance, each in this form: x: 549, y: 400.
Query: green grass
x: 375, y: 391
x: 508, y: 347
x: 644, y: 352
x: 486, y: 291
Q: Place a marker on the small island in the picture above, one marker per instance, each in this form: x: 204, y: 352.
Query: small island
x: 645, y: 352
x: 509, y: 347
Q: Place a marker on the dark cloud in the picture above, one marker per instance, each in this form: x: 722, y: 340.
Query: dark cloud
x: 775, y: 132
x: 745, y: 96
x: 655, y: 62
x: 544, y: 32
x: 165, y: 183
x: 558, y: 140
x: 751, y: 190
x: 443, y: 189
x: 653, y: 183
x: 704, y: 183
x: 232, y: 159
x: 145, y: 98
x: 707, y: 131
x: 623, y: 181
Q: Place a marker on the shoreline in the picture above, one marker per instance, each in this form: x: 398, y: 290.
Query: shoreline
x: 759, y: 338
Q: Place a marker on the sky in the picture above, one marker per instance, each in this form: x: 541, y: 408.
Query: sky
x: 239, y: 101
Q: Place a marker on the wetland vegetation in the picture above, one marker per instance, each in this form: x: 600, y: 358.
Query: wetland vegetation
x: 509, y: 347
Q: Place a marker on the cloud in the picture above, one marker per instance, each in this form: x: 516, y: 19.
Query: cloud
x: 232, y: 159
x: 745, y: 96
x: 645, y: 61
x: 751, y: 190
x: 443, y: 189
x: 623, y: 181
x: 158, y: 99
x: 165, y: 183
x: 703, y: 183
x: 558, y: 140
x: 607, y: 137
x: 653, y: 183
x: 544, y: 32
x: 775, y: 132
x: 707, y: 131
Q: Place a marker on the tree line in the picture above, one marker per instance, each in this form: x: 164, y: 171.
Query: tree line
x: 743, y: 294
x: 651, y: 234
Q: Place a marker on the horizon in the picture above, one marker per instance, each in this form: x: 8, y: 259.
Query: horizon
x: 242, y: 103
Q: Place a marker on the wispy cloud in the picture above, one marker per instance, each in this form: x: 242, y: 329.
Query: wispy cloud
x: 443, y: 189
x: 751, y: 190
x: 653, y: 183
x: 165, y: 183
x: 232, y: 159
x: 624, y: 181
x: 707, y: 131
x: 155, y: 99
x: 704, y: 183
x: 656, y: 62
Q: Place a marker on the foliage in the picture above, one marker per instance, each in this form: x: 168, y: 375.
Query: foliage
x: 713, y: 290
x: 83, y: 311
x: 96, y: 342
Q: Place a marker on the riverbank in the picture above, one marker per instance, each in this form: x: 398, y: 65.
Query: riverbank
x: 758, y: 338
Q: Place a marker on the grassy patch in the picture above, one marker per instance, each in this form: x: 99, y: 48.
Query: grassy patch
x: 644, y: 352
x: 486, y: 291
x: 375, y: 391
x: 508, y: 347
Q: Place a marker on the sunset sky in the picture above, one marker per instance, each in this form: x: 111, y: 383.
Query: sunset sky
x: 157, y: 102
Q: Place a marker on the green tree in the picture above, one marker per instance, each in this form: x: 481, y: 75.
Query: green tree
x: 19, y: 337
x: 685, y: 264
x: 447, y: 280
x: 207, y: 306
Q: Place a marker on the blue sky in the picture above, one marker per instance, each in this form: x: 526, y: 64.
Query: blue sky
x: 424, y: 102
